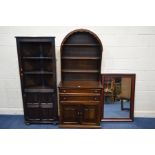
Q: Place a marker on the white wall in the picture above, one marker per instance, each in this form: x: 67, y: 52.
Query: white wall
x: 126, y: 50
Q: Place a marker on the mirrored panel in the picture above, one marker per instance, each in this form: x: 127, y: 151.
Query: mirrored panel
x: 118, y: 96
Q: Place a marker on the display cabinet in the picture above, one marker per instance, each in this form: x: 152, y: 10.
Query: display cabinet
x: 37, y: 68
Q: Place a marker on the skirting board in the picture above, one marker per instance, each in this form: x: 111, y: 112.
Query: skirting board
x: 11, y: 111
x: 149, y: 114
x: 19, y: 111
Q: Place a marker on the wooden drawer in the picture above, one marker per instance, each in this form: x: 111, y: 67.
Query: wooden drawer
x: 80, y: 91
x: 79, y: 98
x: 80, y: 103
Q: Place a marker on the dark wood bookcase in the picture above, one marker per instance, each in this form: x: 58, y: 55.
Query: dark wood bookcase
x: 80, y: 90
x: 37, y: 68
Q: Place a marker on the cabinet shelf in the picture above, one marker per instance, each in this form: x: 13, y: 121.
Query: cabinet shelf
x: 80, y: 71
x: 38, y: 58
x: 84, y: 45
x: 81, y: 54
x: 38, y: 72
x: 39, y: 90
x: 82, y: 58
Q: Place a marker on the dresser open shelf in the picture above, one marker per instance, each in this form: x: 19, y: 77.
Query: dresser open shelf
x: 80, y: 88
x: 79, y: 71
x: 80, y: 58
x: 41, y: 89
x: 84, y: 45
x: 37, y: 66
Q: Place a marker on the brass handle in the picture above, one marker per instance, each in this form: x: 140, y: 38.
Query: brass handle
x: 64, y: 91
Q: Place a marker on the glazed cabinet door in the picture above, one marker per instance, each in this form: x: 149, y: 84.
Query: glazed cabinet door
x: 69, y: 114
x: 37, y: 69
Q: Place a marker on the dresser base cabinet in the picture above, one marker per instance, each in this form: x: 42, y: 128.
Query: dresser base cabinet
x: 80, y: 107
x: 80, y: 116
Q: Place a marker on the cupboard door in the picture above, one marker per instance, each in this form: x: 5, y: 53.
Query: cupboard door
x: 94, y: 91
x: 32, y: 111
x: 46, y: 111
x: 69, y: 114
x: 42, y: 103
x: 90, y: 114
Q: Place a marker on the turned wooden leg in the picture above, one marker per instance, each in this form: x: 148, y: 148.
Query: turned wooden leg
x: 121, y: 104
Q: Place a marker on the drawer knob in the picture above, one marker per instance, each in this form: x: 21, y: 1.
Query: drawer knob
x: 95, y: 98
x: 64, y: 91
x: 95, y: 91
x: 64, y: 98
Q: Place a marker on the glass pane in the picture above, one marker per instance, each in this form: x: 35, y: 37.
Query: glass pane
x: 117, y: 95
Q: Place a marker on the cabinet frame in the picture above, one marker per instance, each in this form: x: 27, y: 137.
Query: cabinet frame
x: 132, y: 98
x: 45, y: 108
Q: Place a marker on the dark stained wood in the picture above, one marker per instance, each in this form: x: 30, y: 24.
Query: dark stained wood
x: 80, y: 89
x: 80, y: 102
x: 37, y: 68
x: 79, y: 71
x: 131, y: 116
x: 72, y: 126
x: 81, y: 84
x: 85, y: 45
x: 89, y: 58
x: 75, y: 98
x: 34, y: 58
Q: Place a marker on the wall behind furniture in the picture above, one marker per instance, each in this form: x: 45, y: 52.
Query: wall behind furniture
x: 126, y: 50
